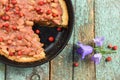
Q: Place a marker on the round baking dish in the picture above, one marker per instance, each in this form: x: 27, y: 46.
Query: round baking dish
x: 51, y: 49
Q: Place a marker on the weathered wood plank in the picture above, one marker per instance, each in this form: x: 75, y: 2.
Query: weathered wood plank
x: 2, y: 71
x: 61, y: 66
x: 108, y: 25
x: 34, y: 73
x: 84, y: 32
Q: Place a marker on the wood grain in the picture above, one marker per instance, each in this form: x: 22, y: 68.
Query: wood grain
x: 107, y: 24
x: 84, y: 32
x: 61, y: 66
x: 34, y: 73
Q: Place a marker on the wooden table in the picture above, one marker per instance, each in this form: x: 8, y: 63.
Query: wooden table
x: 92, y: 18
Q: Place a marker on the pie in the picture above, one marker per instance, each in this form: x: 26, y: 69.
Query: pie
x: 18, y: 42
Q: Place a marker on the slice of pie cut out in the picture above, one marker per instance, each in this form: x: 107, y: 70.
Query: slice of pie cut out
x: 18, y: 42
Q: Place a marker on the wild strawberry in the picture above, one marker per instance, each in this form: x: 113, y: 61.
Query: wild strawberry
x: 3, y: 18
x: 13, y: 2
x: 7, y: 8
x: 21, y: 14
x: 75, y: 64
x: 1, y: 25
x: 14, y: 27
x: 51, y: 39
x: 110, y: 46
x: 37, y: 9
x: 1, y: 39
x: 59, y: 29
x: 19, y: 53
x: 17, y: 8
x: 7, y: 29
x: 6, y: 25
x: 41, y: 3
x: 114, y: 48
x: 108, y: 59
x: 19, y: 37
x: 37, y: 31
x: 11, y: 54
x: 40, y: 11
x: 7, y: 17
x: 48, y: 12
x: 17, y: 12
x: 54, y: 15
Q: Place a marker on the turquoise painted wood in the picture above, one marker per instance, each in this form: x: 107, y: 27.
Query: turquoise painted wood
x: 92, y: 18
x: 61, y: 66
x: 35, y: 73
x: 2, y: 71
x: 107, y: 23
x: 84, y: 32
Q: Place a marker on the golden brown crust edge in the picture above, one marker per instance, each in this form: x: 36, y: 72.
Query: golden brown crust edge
x: 24, y: 59
x: 65, y: 13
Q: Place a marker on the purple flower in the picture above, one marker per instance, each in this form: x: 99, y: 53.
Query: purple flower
x: 84, y: 50
x: 96, y: 58
x: 99, y: 41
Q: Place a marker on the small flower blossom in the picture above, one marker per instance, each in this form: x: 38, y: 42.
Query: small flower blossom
x: 84, y: 50
x: 96, y: 58
x: 99, y: 41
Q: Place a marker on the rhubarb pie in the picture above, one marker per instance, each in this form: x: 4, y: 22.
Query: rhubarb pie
x: 18, y: 42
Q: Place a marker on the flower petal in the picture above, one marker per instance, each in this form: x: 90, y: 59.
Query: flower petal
x: 99, y: 41
x: 96, y: 58
x: 84, y: 50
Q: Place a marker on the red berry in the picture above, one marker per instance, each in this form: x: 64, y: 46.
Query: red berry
x: 108, y: 59
x: 21, y: 14
x: 1, y: 39
x: 3, y: 18
x: 110, y: 46
x: 51, y: 38
x: 7, y: 18
x: 19, y: 37
x: 37, y: 31
x: 37, y: 9
x: 17, y: 12
x: 75, y: 64
x: 40, y: 12
x: 40, y: 3
x: 19, y: 53
x: 17, y: 8
x: 7, y: 29
x: 14, y: 2
x: 1, y: 25
x: 6, y: 25
x: 11, y: 53
x: 7, y: 8
x: 114, y: 48
x: 10, y: 5
x: 14, y: 27
x: 59, y: 29
x: 49, y: 12
x: 54, y: 15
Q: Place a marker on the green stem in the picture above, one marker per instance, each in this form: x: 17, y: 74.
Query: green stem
x: 103, y: 51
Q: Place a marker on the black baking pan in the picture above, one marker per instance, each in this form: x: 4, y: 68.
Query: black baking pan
x: 51, y: 49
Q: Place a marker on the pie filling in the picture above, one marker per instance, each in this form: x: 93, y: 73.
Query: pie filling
x: 16, y: 20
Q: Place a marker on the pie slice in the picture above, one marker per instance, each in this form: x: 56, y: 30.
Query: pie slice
x: 18, y: 42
